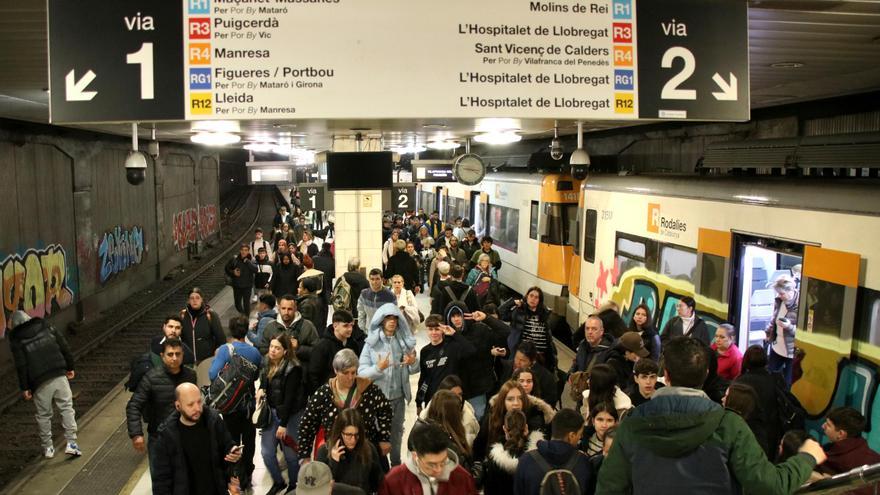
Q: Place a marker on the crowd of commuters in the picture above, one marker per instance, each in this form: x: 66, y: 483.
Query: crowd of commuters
x: 654, y: 412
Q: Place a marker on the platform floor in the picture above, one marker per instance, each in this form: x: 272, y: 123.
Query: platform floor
x: 110, y: 465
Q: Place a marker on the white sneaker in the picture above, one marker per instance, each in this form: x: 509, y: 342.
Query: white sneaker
x: 49, y: 452
x: 73, y: 449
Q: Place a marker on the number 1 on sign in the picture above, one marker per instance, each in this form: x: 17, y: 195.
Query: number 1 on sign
x: 314, y: 202
x: 144, y: 58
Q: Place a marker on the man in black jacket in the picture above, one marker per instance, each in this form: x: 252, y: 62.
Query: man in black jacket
x: 324, y: 262
x: 443, y: 356
x: 402, y: 263
x: 153, y: 400
x: 301, y: 331
x: 44, y: 366
x: 241, y: 270
x: 458, y: 289
x: 311, y: 305
x: 478, y: 369
x: 171, y: 329
x: 193, y: 448
x: 321, y: 361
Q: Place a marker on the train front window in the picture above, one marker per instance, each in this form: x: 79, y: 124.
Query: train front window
x: 558, y: 218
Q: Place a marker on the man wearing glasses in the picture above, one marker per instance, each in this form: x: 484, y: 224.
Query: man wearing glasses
x: 432, y: 470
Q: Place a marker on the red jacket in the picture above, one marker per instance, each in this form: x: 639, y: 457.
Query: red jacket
x: 848, y: 454
x: 401, y: 481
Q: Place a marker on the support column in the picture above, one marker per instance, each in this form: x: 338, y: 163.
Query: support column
x: 358, y: 228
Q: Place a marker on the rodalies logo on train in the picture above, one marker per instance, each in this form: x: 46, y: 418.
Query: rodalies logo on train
x: 35, y: 281
x: 658, y: 224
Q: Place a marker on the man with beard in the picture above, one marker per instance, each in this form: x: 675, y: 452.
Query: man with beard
x: 171, y: 329
x: 194, y: 448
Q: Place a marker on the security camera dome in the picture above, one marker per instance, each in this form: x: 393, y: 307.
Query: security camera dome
x: 135, y: 168
x: 556, y: 151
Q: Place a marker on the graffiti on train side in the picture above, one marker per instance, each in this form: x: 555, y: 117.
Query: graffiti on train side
x: 193, y: 225
x: 35, y: 281
x: 661, y: 294
x: 119, y: 250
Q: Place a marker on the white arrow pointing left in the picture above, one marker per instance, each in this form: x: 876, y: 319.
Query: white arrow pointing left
x: 75, y: 90
x: 728, y: 91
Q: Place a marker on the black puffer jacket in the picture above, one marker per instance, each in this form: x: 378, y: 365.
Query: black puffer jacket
x: 202, y: 331
x: 170, y: 472
x: 40, y: 352
x: 154, y: 399
x: 284, y: 391
x: 313, y: 309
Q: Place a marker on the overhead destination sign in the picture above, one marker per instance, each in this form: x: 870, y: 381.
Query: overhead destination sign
x: 329, y: 59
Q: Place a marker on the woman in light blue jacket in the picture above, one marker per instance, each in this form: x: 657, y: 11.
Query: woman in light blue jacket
x: 389, y: 358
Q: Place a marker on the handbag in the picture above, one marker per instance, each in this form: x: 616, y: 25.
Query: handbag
x: 260, y: 418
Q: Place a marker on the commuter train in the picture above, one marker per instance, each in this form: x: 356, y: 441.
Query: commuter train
x: 528, y: 216
x: 725, y: 241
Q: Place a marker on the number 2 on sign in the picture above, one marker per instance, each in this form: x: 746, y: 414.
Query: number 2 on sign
x: 670, y: 89
x: 402, y: 201
x: 144, y: 58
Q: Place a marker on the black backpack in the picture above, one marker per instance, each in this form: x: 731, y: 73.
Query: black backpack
x: 457, y: 300
x: 139, y: 366
x: 234, y: 383
x: 792, y: 415
x: 557, y: 481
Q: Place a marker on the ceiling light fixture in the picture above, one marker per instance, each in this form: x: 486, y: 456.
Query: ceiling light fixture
x: 215, y: 138
x: 503, y: 137
x: 409, y: 149
x: 443, y: 145
x: 259, y: 147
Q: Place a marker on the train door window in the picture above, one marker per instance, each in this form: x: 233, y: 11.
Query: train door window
x: 633, y: 251
x: 760, y: 263
x: 824, y: 302
x: 464, y: 208
x: 477, y: 213
x: 440, y: 199
x: 504, y: 226
x: 712, y: 276
x: 574, y: 231
x: 451, y: 209
x: 590, y: 226
x: 533, y: 220
x: 426, y: 201
x: 678, y: 262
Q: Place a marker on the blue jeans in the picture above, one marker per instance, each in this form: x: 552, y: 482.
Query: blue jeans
x: 269, y: 449
x: 479, y: 404
x: 398, y: 409
x: 780, y: 364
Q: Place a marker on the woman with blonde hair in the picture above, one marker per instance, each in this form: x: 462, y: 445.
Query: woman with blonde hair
x: 406, y: 301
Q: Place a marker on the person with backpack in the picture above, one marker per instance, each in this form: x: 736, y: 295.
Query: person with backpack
x: 259, y: 242
x: 345, y: 295
x: 311, y: 304
x: 454, y: 290
x: 153, y: 400
x: 44, y: 365
x: 484, y: 280
x: 201, y: 329
x: 232, y: 392
x: 556, y: 466
x: 281, y: 386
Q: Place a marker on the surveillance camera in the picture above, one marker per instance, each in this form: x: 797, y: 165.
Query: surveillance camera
x: 580, y: 164
x: 153, y: 149
x: 556, y: 149
x: 135, y: 168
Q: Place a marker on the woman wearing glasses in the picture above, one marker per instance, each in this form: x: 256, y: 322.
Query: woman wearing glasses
x: 353, y: 459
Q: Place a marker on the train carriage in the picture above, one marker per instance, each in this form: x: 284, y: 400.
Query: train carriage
x: 725, y: 241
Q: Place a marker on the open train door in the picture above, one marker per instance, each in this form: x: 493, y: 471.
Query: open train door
x: 826, y: 314
x: 479, y: 208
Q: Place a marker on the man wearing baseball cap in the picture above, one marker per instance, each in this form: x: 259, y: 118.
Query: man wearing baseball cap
x: 315, y: 478
x: 629, y: 348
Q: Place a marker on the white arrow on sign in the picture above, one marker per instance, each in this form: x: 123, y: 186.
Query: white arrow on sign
x: 728, y: 91
x: 75, y: 90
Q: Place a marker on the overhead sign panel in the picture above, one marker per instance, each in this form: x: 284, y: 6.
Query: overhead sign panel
x: 245, y: 59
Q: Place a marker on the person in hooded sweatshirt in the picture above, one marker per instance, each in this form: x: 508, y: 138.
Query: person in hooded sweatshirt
x: 285, y: 274
x: 560, y: 452
x: 504, y: 455
x: 432, y: 468
x: 266, y: 314
x: 202, y: 330
x: 477, y: 370
x: 388, y: 359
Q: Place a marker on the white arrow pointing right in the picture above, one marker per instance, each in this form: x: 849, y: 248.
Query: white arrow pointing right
x: 75, y: 90
x: 728, y: 91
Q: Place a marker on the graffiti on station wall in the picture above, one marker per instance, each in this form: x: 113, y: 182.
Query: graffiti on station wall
x: 192, y: 225
x: 36, y: 282
x: 120, y: 249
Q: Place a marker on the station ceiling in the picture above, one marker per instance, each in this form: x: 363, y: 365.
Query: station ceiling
x: 799, y: 50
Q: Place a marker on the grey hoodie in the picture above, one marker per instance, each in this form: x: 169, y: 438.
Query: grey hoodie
x: 430, y: 486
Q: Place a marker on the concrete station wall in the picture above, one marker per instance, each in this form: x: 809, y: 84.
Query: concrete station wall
x: 76, y: 237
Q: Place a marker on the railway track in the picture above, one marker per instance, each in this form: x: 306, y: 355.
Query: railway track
x: 104, y: 349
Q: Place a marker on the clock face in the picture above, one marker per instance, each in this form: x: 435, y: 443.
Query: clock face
x: 469, y: 169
